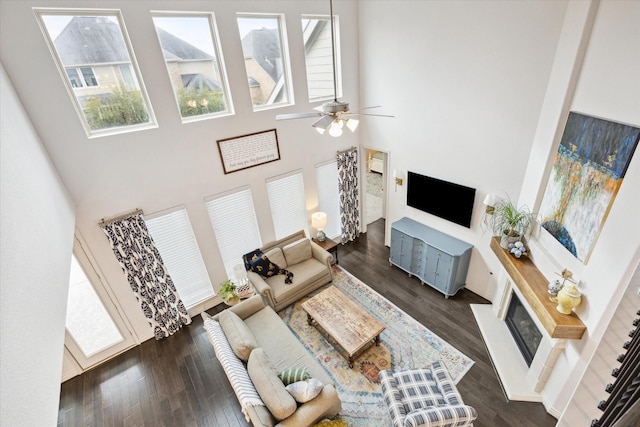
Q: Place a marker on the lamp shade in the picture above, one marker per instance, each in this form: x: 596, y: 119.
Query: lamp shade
x: 490, y: 200
x: 319, y: 220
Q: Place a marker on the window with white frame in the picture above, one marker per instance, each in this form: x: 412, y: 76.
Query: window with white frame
x: 94, y: 56
x: 266, y: 61
x: 191, y: 52
x: 316, y: 32
x: 328, y: 197
x: 173, y: 236
x: 288, y: 204
x: 235, y: 225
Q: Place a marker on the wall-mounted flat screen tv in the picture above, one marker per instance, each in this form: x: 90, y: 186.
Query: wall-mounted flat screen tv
x: 453, y: 202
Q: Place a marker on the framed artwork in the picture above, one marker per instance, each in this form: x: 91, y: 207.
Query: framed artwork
x: 589, y: 168
x: 247, y: 151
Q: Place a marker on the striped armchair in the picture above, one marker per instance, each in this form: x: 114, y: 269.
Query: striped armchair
x: 425, y: 397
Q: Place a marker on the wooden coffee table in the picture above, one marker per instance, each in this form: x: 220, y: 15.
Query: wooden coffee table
x: 346, y: 326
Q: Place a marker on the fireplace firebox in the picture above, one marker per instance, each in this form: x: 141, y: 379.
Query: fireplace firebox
x: 523, y: 329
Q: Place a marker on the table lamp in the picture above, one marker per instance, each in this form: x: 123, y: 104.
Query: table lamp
x: 319, y: 222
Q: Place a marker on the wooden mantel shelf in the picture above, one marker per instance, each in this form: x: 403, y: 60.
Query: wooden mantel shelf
x: 533, y: 286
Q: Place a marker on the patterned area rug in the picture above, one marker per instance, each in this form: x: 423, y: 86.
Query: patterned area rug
x: 405, y: 344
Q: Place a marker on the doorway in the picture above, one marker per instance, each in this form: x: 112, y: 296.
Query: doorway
x: 94, y: 329
x: 375, y: 194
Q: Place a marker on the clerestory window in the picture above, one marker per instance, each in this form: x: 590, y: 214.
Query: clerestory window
x: 191, y: 52
x: 318, y: 54
x: 266, y: 60
x: 95, y: 59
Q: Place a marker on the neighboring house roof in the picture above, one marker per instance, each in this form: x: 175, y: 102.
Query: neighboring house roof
x: 98, y: 40
x: 91, y: 40
x: 263, y: 47
x: 174, y: 48
x: 199, y: 82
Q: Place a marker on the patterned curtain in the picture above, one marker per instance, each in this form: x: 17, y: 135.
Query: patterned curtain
x: 348, y: 192
x: 147, y: 275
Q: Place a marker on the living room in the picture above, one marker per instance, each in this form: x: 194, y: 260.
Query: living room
x: 481, y: 97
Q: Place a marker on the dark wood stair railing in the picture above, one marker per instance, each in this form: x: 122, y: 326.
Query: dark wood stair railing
x: 622, y: 407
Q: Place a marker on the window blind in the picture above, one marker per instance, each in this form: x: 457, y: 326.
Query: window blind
x: 235, y: 225
x: 328, y: 199
x: 174, y: 238
x: 288, y: 205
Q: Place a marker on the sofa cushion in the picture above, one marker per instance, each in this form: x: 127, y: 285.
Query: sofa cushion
x: 272, y: 391
x: 290, y: 376
x: 304, y: 391
x: 286, y: 352
x: 298, y: 251
x: 238, y: 334
x: 307, y: 271
x: 277, y: 257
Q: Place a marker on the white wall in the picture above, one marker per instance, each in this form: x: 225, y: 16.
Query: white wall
x: 174, y: 164
x: 466, y: 81
x: 36, y: 221
x: 605, y: 85
x: 483, y: 93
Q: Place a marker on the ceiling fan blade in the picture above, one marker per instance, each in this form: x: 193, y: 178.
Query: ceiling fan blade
x: 324, y: 122
x: 297, y: 116
x: 367, y: 108
x: 368, y: 114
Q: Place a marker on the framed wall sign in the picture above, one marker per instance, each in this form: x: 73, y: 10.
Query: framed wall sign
x: 247, y: 151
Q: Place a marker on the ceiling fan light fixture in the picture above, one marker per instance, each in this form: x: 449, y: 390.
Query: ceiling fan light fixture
x: 335, y: 130
x: 352, y: 124
x: 320, y: 130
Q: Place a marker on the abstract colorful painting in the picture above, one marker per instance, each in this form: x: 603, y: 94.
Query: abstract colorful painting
x: 593, y: 156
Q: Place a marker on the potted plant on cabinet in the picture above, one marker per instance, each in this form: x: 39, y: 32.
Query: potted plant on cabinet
x: 228, y: 292
x: 510, y: 222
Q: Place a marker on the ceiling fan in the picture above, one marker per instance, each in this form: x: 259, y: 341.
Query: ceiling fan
x: 333, y: 114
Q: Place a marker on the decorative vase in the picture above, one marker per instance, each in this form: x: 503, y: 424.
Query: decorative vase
x: 568, y: 298
x: 553, y: 288
x: 245, y: 289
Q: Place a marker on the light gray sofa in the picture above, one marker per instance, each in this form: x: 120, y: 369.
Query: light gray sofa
x: 272, y: 348
x: 311, y: 269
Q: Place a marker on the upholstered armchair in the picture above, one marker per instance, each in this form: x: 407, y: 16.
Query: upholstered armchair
x: 425, y: 397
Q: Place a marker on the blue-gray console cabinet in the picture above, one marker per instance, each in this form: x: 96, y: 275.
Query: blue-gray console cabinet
x: 437, y: 259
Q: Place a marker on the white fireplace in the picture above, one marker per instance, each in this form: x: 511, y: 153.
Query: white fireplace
x: 522, y: 279
x: 520, y: 382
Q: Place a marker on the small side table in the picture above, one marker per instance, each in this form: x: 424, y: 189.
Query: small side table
x: 328, y: 245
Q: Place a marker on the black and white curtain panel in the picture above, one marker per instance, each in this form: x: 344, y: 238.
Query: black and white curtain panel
x: 146, y: 273
x: 348, y: 192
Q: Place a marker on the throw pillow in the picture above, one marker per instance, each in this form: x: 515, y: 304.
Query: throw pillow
x: 304, y: 391
x: 289, y: 376
x: 258, y: 262
x: 298, y: 251
x: 277, y: 257
x: 271, y: 390
x: 238, y: 334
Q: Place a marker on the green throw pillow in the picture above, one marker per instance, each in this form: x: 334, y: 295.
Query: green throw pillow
x: 290, y: 376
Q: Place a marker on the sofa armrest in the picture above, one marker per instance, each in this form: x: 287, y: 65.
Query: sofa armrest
x: 325, y: 405
x: 442, y: 415
x: 321, y: 255
x: 445, y: 383
x: 243, y: 309
x: 262, y: 287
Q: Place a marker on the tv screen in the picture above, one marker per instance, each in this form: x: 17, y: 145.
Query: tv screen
x: 453, y: 202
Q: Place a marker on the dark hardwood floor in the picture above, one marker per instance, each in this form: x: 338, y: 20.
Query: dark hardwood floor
x: 178, y: 381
